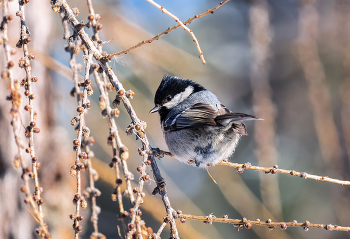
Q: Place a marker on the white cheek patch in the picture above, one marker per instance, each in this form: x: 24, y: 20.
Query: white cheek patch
x: 179, y: 98
x: 174, y: 101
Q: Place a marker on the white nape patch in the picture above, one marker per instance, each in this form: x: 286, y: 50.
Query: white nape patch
x: 179, y: 98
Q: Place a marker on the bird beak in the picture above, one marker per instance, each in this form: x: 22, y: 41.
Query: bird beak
x: 155, y: 109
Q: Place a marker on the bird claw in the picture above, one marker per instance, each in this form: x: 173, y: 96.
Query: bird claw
x: 158, y: 153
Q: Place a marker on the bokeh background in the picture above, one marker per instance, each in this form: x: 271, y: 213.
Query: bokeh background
x: 284, y: 61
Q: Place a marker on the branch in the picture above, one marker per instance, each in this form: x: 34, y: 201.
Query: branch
x: 33, y: 200
x: 28, y: 86
x: 137, y: 126
x: 244, y: 223
x: 275, y: 169
x: 83, y: 132
x: 156, y: 37
x: 80, y: 155
x: 171, y: 213
x: 90, y: 191
x: 119, y: 151
x: 161, y: 228
x: 183, y: 25
x: 152, y: 205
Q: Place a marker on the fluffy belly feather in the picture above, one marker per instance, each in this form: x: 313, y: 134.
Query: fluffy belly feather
x: 201, y: 147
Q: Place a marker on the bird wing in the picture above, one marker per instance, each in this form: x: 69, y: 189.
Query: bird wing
x: 203, y: 114
x: 236, y: 120
x: 198, y: 115
x: 226, y: 117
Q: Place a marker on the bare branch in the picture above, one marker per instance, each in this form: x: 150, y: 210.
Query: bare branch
x: 156, y: 37
x: 137, y: 126
x: 183, y: 25
x: 244, y: 223
x: 120, y: 151
x: 151, y: 205
x: 27, y: 83
x: 79, y: 144
x: 161, y: 228
x: 275, y: 169
x: 33, y: 200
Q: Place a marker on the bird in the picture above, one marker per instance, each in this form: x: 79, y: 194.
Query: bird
x: 197, y: 128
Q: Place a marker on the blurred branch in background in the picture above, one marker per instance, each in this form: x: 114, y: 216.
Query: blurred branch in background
x: 260, y: 38
x: 342, y: 11
x: 320, y: 99
x: 319, y: 95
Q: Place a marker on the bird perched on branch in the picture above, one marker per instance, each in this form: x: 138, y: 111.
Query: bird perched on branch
x: 197, y: 128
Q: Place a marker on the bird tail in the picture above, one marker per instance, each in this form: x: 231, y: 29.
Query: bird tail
x: 236, y: 120
x: 234, y: 117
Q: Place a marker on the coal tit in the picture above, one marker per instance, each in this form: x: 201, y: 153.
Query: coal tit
x: 197, y: 128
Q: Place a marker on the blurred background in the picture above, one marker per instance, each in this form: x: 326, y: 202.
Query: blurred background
x: 285, y: 61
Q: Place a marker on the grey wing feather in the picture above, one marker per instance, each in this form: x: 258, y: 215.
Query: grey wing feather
x: 203, y: 114
x: 198, y: 115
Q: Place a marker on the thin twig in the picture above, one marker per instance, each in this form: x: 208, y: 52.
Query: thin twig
x: 27, y: 83
x: 91, y: 191
x: 31, y: 129
x: 77, y: 146
x: 171, y: 213
x: 161, y: 228
x: 73, y: 46
x: 244, y: 223
x: 156, y: 37
x: 93, y: 18
x: 152, y: 205
x: 275, y: 169
x: 183, y: 25
x: 34, y: 201
x: 120, y: 151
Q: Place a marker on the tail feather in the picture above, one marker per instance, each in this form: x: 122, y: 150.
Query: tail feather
x: 234, y: 117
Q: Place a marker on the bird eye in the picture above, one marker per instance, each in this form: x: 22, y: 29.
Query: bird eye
x: 168, y: 98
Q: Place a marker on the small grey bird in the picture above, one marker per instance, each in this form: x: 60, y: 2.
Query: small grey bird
x: 197, y: 128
